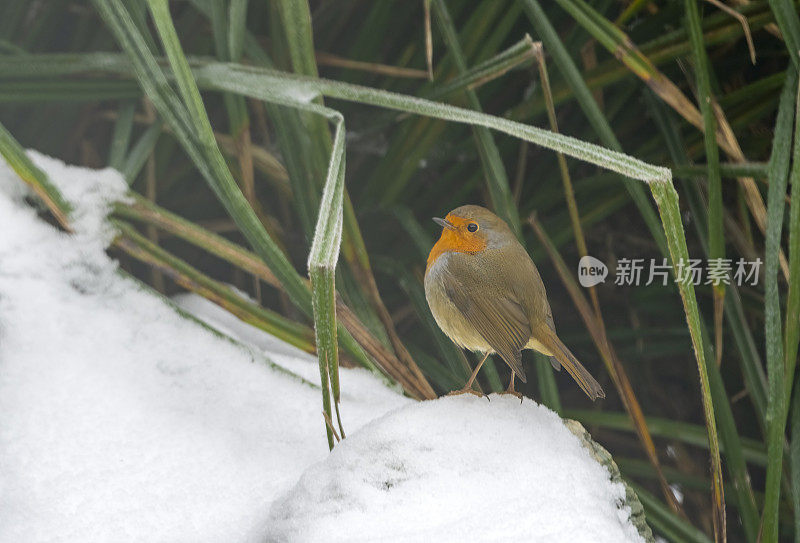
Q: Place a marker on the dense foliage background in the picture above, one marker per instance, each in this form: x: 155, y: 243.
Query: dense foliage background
x: 645, y: 78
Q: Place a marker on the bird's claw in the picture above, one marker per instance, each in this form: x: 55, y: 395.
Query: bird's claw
x: 469, y: 391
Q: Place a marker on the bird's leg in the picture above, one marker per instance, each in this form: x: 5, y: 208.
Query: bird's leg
x: 468, y: 387
x: 510, y: 389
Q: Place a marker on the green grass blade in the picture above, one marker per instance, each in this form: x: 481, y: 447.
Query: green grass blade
x: 785, y: 12
x: 776, y: 369
x: 726, y: 169
x: 792, y: 321
x: 706, y: 100
x: 322, y: 292
x: 488, y: 70
x: 734, y: 456
x: 296, y: 18
x: 121, y: 137
x: 546, y: 378
x: 667, y: 200
x: 237, y: 17
x: 135, y: 161
x: 735, y: 459
x: 792, y: 326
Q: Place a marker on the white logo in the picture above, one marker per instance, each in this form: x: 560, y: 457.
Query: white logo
x: 591, y: 271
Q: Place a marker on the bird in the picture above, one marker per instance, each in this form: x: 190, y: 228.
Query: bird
x: 487, y: 296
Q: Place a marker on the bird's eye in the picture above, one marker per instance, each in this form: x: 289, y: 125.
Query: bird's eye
x: 472, y: 227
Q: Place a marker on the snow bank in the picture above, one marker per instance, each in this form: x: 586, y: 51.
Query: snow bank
x: 457, y: 469
x: 121, y: 420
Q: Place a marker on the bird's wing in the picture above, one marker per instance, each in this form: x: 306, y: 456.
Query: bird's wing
x: 497, y: 317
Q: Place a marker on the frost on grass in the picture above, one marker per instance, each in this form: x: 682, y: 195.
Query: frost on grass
x: 457, y: 469
x: 121, y: 420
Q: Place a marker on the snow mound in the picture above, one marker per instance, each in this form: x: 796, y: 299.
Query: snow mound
x: 120, y: 419
x: 457, y: 469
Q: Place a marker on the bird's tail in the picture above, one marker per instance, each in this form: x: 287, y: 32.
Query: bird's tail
x: 588, y: 384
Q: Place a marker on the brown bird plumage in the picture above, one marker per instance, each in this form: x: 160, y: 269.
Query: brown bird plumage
x: 486, y: 294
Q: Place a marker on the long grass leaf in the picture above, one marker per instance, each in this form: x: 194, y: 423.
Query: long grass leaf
x: 788, y: 21
x: 716, y: 241
x: 667, y: 199
x: 776, y: 369
x: 792, y: 321
x: 613, y: 364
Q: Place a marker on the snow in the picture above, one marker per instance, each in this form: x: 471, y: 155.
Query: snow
x: 457, y: 469
x: 123, y: 420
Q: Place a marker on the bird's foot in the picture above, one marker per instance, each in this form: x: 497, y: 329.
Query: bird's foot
x: 466, y: 390
x: 511, y: 390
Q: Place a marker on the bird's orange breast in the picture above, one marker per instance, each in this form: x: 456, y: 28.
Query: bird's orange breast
x: 459, y: 240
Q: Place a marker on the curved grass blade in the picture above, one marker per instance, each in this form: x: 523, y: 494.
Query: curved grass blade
x: 321, y: 270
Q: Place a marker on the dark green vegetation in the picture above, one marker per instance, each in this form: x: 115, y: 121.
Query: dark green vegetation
x: 261, y: 162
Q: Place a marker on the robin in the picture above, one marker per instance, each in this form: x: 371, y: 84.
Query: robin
x: 486, y: 294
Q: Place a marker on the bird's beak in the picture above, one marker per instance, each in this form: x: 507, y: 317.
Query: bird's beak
x: 443, y: 223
